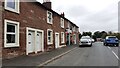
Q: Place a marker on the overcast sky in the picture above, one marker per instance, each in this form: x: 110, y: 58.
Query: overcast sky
x: 89, y: 15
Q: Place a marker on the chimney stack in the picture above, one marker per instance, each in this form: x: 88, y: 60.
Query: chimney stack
x: 62, y: 14
x: 47, y: 4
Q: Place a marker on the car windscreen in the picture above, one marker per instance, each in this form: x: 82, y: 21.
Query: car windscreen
x: 85, y: 38
x: 112, y: 37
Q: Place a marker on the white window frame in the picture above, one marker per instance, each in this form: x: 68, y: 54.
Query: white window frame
x: 68, y: 24
x: 74, y: 28
x: 62, y: 37
x: 48, y: 18
x: 62, y: 22
x: 16, y: 44
x: 51, y: 37
x: 17, y: 6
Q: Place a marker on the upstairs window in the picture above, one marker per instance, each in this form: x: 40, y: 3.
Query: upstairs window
x: 62, y: 22
x: 49, y: 17
x: 12, y: 5
x: 68, y: 24
x: 74, y: 28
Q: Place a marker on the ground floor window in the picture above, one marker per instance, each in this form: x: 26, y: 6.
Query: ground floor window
x: 11, y: 33
x: 62, y: 37
x: 49, y: 36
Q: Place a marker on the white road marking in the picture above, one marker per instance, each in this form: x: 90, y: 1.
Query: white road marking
x: 109, y: 48
x: 114, y: 53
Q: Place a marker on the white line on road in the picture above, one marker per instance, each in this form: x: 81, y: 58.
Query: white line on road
x: 109, y: 48
x: 114, y: 53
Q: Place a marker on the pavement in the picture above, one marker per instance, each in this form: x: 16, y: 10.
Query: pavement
x: 36, y: 60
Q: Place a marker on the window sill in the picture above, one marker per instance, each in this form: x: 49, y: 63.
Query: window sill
x: 50, y: 23
x: 12, y: 10
x: 62, y: 27
x: 49, y: 43
x: 10, y: 46
x: 62, y: 42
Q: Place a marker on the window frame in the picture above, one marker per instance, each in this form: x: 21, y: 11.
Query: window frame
x: 51, y: 37
x: 48, y: 18
x: 62, y: 37
x: 74, y: 28
x: 17, y: 6
x: 68, y: 24
x: 62, y: 24
x: 16, y: 44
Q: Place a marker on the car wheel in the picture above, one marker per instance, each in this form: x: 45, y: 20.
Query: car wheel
x: 104, y: 44
x: 117, y: 45
x: 91, y: 45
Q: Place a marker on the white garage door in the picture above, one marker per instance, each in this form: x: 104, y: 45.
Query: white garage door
x: 31, y: 41
x: 34, y: 40
x: 39, y: 41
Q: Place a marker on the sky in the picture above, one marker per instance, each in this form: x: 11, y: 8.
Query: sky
x: 89, y: 15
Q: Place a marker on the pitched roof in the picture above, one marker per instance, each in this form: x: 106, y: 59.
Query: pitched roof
x: 35, y: 1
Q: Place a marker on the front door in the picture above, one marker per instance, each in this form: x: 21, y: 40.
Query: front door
x: 39, y: 41
x: 31, y: 41
x: 74, y: 39
x: 57, y: 40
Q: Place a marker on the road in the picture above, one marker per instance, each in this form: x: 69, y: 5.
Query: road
x: 97, y: 55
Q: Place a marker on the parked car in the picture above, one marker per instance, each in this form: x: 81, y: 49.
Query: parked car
x: 85, y: 40
x: 92, y: 40
x: 111, y: 40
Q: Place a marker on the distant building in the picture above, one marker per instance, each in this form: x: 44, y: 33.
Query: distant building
x: 99, y: 39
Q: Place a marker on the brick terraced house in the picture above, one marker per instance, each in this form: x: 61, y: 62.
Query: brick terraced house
x: 31, y: 28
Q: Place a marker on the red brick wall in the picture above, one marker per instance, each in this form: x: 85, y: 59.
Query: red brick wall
x: 57, y: 27
x: 31, y: 15
x: 77, y: 37
x: 34, y: 16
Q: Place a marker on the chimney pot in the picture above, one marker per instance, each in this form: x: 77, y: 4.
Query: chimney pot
x: 47, y: 4
x: 62, y: 14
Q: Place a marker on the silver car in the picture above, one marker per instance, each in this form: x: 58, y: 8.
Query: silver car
x: 85, y: 40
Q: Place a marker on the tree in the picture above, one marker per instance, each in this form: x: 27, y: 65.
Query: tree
x: 97, y: 34
x: 103, y: 34
x: 84, y: 34
x: 110, y: 33
x: 117, y: 35
x: 87, y: 34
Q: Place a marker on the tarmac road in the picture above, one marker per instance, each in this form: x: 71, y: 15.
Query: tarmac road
x: 97, y: 55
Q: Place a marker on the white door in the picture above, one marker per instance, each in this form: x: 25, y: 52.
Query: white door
x: 56, y: 40
x: 74, y: 39
x: 39, y: 41
x: 31, y: 41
